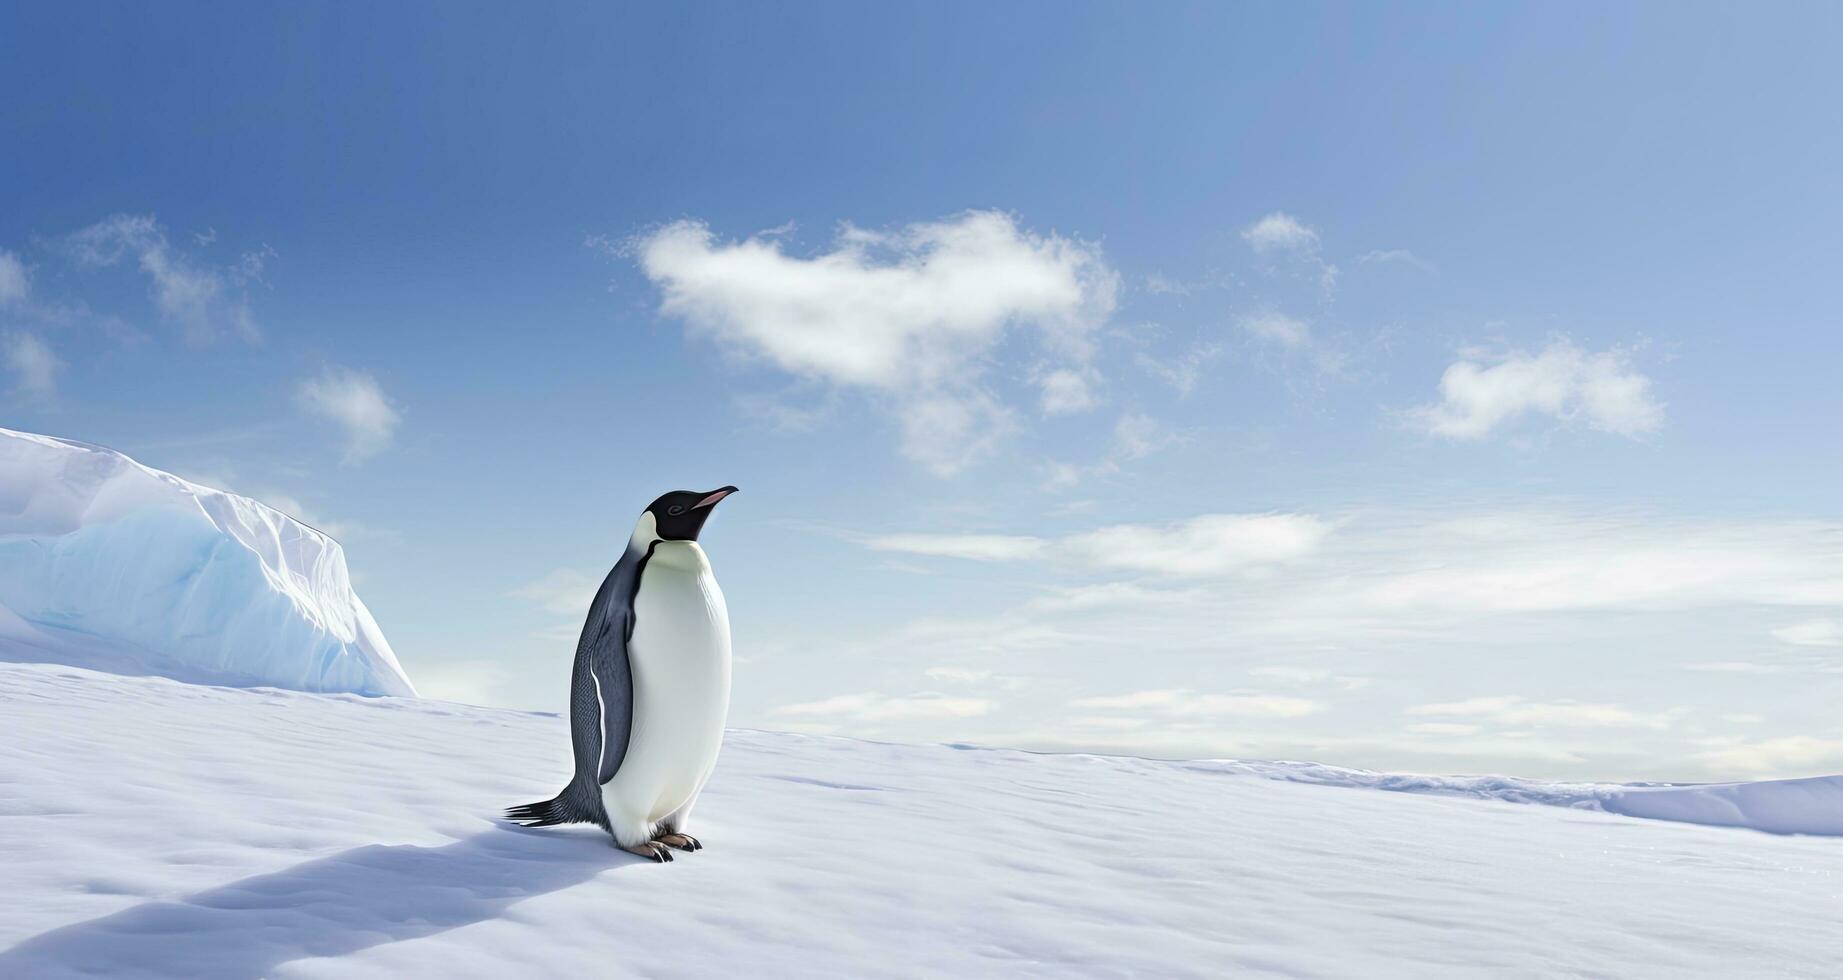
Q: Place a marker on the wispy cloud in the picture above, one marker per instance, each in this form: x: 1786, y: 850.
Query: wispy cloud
x: 958, y: 675
x: 33, y: 364
x: 1307, y: 676
x: 1181, y: 703
x: 1280, y: 232
x: 1067, y: 391
x: 1207, y: 545
x: 1770, y: 757
x: 1395, y: 255
x: 1281, y: 236
x: 1183, y: 371
x: 1516, y: 711
x: 1408, y: 567
x: 563, y: 591
x: 907, y: 314
x: 354, y: 401
x: 1812, y: 633
x: 206, y: 301
x: 1277, y: 328
x: 15, y: 281
x: 973, y: 547
x: 1211, y: 544
x: 1482, y: 392
x: 1162, y: 285
x: 873, y: 706
x: 1442, y: 728
x: 1732, y: 667
x: 1293, y: 338
x: 1135, y: 436
x: 1387, y: 595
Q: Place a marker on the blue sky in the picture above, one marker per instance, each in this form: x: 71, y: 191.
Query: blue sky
x: 1433, y: 387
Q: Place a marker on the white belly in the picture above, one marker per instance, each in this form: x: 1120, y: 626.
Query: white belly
x: 680, y: 653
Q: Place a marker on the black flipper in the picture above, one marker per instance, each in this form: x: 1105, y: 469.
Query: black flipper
x: 601, y: 701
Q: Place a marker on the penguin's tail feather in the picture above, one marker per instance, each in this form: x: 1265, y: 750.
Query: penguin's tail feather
x: 569, y: 806
x: 543, y: 814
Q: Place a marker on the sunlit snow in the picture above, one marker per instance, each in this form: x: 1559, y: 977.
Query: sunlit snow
x: 159, y: 828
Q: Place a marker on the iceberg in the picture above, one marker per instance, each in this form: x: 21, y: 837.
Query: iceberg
x: 111, y: 565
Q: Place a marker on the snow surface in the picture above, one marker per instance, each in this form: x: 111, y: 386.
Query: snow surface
x: 159, y: 828
x: 1781, y: 806
x: 109, y: 564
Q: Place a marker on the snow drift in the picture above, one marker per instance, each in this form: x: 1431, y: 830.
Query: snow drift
x: 163, y: 829
x: 1812, y: 806
x: 108, y: 564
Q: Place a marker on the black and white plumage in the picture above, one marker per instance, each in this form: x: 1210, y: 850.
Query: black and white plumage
x: 649, y: 692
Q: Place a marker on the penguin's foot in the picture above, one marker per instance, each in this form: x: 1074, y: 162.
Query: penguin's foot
x: 651, y: 850
x: 684, y: 842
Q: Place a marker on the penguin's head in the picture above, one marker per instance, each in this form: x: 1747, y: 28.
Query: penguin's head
x: 680, y: 515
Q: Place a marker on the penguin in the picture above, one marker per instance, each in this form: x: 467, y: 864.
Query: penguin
x: 650, y: 689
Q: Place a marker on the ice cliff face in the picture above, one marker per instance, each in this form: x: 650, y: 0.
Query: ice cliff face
x: 108, y: 564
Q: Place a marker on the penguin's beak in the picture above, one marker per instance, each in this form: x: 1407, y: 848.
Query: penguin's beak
x: 711, y: 499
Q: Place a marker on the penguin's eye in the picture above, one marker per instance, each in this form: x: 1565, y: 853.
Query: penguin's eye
x: 675, y: 510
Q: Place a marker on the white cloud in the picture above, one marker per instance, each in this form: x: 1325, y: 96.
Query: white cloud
x: 1533, y: 562
x: 1417, y: 570
x: 1597, y: 610
x: 353, y: 400
x: 1280, y: 232
x: 1181, y: 703
x: 958, y: 675
x: 1184, y: 371
x: 1061, y: 475
x: 1787, y: 755
x: 1112, y: 594
x: 1277, y: 328
x: 1293, y: 338
x: 1067, y: 391
x: 979, y: 676
x: 1137, y: 435
x: 872, y: 706
x: 564, y: 591
x: 975, y: 547
x: 1207, y: 545
x: 945, y: 432
x: 1731, y: 667
x: 1308, y: 676
x: 1292, y: 675
x: 1109, y: 723
x: 1480, y: 392
x: 1281, y: 236
x: 1514, y: 710
x: 206, y: 302
x: 1812, y: 633
x: 1442, y: 728
x: 35, y: 367
x: 15, y: 282
x: 1401, y: 255
x: 1210, y: 544
x: 908, y: 314
x: 1162, y: 285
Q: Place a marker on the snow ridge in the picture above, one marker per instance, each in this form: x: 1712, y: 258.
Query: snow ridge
x: 1781, y: 806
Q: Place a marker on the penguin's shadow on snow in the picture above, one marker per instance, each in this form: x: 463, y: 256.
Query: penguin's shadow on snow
x: 350, y: 901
